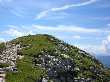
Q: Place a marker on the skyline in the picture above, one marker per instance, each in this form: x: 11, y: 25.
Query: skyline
x: 83, y: 23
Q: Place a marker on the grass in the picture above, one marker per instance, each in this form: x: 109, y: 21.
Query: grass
x: 26, y: 72
x: 3, y: 65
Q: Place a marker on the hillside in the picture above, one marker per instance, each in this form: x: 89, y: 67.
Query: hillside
x: 44, y: 58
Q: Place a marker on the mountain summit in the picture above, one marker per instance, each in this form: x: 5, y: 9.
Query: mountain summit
x: 44, y: 58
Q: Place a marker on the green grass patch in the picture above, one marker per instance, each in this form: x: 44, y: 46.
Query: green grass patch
x: 26, y: 72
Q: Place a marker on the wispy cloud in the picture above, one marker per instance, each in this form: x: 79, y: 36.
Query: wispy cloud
x: 17, y: 31
x: 19, y: 12
x: 64, y: 28
x: 46, y: 12
x: 9, y: 6
x: 34, y: 28
x: 106, y: 18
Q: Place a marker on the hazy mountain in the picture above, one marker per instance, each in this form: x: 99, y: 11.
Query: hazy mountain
x: 105, y: 60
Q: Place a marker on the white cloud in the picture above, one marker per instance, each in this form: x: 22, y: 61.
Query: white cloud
x: 76, y: 36
x: 105, y: 45
x: 46, y: 12
x: 73, y: 5
x: 42, y: 14
x: 16, y: 31
x: 2, y: 40
x: 108, y: 38
x: 63, y: 28
x: 92, y: 49
x: 97, y: 49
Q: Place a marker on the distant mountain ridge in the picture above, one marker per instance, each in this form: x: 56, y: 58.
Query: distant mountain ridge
x: 44, y: 58
x: 105, y: 60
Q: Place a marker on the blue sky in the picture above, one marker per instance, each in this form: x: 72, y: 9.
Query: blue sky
x: 83, y: 23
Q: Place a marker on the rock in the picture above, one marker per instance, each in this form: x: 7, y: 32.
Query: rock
x: 58, y: 69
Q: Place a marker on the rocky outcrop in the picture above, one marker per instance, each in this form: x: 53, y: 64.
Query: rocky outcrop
x: 59, y: 69
x: 9, y: 55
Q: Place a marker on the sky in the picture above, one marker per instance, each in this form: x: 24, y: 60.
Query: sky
x: 83, y: 23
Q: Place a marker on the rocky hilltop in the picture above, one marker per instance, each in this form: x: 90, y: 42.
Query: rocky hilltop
x: 44, y: 58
